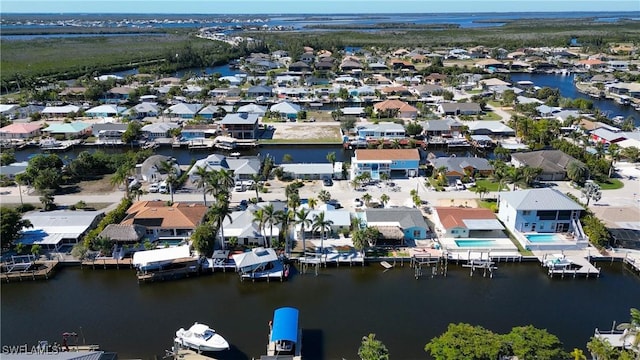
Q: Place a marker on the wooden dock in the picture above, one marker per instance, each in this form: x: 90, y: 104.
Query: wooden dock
x: 580, y: 266
x: 37, y: 270
x: 108, y: 263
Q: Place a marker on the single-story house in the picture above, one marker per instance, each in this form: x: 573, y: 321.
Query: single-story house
x: 13, y: 169
x: 71, y: 130
x: 606, y: 136
x: 20, y: 131
x: 290, y: 110
x: 446, y: 127
x: 52, y: 229
x: 106, y: 110
x: 403, y: 162
x: 455, y: 222
x: 459, y: 108
x: 242, y: 226
x: 489, y: 127
x: 124, y: 234
x: 394, y: 107
x: 183, y: 111
x: 259, y: 90
x: 252, y: 109
x: 397, y: 225
x: 341, y: 219
x: 459, y: 167
x: 159, y: 130
x: 242, y: 168
x: 109, y: 132
x: 384, y: 130
x: 60, y: 111
x: 308, y: 171
x: 165, y: 221
x: 149, y: 170
x: 554, y: 163
x: 142, y: 110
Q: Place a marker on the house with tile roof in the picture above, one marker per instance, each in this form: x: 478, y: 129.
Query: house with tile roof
x: 554, y: 163
x: 20, y: 131
x: 165, y: 221
x: 393, y: 162
x: 394, y: 107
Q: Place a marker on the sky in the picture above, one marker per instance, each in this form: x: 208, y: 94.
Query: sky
x: 311, y: 6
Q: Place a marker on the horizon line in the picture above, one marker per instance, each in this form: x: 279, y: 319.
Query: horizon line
x: 327, y: 13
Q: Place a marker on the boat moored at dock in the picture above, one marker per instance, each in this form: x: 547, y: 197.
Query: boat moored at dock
x: 201, y: 337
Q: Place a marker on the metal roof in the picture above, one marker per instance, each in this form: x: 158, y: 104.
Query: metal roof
x: 483, y: 224
x: 539, y: 199
x: 285, y: 324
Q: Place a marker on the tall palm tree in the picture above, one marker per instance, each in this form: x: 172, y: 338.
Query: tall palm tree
x: 384, y: 198
x: 331, y: 157
x: 256, y: 178
x: 259, y: 217
x: 121, y: 177
x: 219, y: 211
x: 367, y: 198
x: 516, y: 177
x: 225, y: 179
x: 632, y: 330
x: 293, y: 201
x: 168, y: 168
x: 202, y: 181
x: 302, y: 219
x: 312, y: 202
x: 270, y: 218
x: 323, y: 225
x: 285, y: 219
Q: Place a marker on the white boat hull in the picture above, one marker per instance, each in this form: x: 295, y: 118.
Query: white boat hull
x: 200, y: 337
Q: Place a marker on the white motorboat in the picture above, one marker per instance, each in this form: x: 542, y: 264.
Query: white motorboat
x: 558, y: 261
x: 201, y: 337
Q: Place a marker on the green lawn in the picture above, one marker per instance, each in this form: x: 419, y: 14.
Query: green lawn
x: 490, y: 115
x: 487, y: 204
x: 489, y: 184
x: 611, y: 184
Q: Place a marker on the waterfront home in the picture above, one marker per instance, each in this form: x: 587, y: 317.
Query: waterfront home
x: 109, y: 132
x: 384, y: 130
x: 448, y: 127
x: 107, y: 110
x: 8, y: 110
x: 397, y: 225
x: 627, y: 89
x: 393, y: 162
x: 489, y: 127
x: 287, y: 109
x: 158, y: 130
x: 607, y: 136
x: 456, y: 222
x: 395, y: 108
x: 554, y: 163
x: 117, y: 94
x: 20, y: 131
x: 353, y: 112
x: 242, y: 226
x: 340, y: 221
x: 308, y: 171
x: 488, y: 83
x: 199, y: 132
x: 490, y: 64
x: 539, y: 210
x: 455, y: 109
x: 591, y: 64
x: 183, y: 111
x: 59, y: 111
x: 124, y: 233
x: 149, y: 170
x: 142, y: 110
x: 241, y: 125
x: 53, y: 229
x: 164, y: 221
x: 259, y: 90
x: 232, y: 80
x: 242, y: 168
x: 460, y: 166
x: 73, y: 130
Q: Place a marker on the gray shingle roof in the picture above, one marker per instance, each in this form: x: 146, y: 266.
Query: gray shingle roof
x: 539, y: 199
x: 406, y: 217
x: 547, y: 160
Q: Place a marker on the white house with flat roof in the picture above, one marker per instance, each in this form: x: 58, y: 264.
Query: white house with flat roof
x: 308, y: 171
x: 385, y: 130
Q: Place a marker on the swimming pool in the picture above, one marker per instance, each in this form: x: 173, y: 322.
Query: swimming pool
x: 474, y: 243
x: 543, y: 238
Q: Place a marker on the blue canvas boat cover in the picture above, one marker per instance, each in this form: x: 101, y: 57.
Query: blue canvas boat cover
x: 285, y: 324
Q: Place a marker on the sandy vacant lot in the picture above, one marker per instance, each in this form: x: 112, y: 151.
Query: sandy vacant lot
x: 307, y: 131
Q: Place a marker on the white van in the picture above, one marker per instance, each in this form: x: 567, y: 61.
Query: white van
x: 163, y: 188
x: 460, y: 185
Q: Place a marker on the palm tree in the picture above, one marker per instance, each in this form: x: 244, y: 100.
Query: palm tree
x: 271, y: 219
x: 312, y: 202
x: 302, y: 219
x: 225, y: 179
x: 284, y: 218
x: 323, y: 225
x: 202, y: 181
x: 367, y: 198
x: 293, y: 201
x: 632, y: 330
x: 259, y: 217
x: 219, y: 211
x: 600, y: 348
x: 384, y: 198
x: 516, y: 177
x: 384, y: 177
x: 121, y: 177
x: 256, y: 178
x: 168, y: 167
x: 331, y: 157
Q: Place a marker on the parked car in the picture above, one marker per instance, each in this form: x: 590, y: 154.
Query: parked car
x: 239, y: 187
x: 357, y: 202
x: 163, y: 188
x: 154, y: 188
x: 327, y: 182
x: 460, y: 185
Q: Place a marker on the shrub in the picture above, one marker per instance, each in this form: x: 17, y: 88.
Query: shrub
x: 26, y: 207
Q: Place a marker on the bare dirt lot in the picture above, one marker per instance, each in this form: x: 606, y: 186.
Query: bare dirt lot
x: 307, y: 131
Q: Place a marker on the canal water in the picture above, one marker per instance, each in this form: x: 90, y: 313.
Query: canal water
x: 337, y: 307
x: 567, y: 89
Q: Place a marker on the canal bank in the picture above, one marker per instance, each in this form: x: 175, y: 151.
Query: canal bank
x: 337, y: 307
